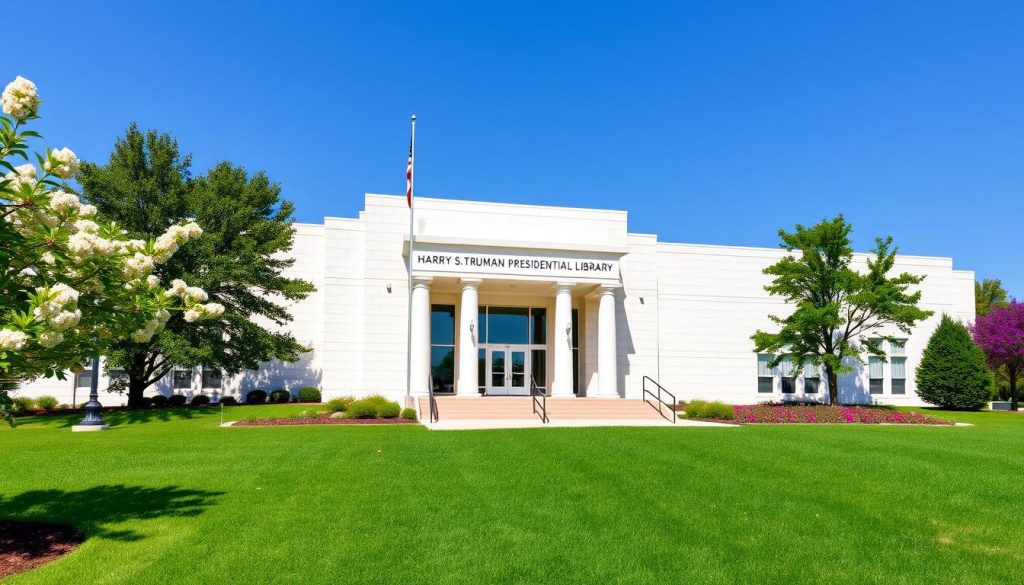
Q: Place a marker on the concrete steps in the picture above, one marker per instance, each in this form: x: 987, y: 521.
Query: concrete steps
x: 520, y: 408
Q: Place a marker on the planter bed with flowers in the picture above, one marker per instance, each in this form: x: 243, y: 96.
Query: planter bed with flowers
x: 803, y: 413
x: 770, y: 413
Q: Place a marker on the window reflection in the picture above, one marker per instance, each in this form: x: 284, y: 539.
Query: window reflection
x: 508, y: 325
x: 442, y: 368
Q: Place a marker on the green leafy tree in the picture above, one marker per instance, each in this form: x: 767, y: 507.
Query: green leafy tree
x: 240, y: 260
x: 839, y: 313
x: 988, y: 294
x: 952, y: 372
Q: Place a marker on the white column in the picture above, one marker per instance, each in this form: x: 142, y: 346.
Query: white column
x: 419, y: 363
x: 607, y: 370
x: 561, y: 383
x: 466, y: 384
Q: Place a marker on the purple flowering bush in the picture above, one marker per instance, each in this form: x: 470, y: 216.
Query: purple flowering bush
x: 823, y: 414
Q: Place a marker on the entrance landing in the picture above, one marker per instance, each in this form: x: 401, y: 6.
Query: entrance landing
x: 500, y: 412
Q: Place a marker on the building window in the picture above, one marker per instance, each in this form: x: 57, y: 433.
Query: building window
x: 812, y: 379
x: 508, y: 325
x: 84, y: 379
x: 182, y: 379
x: 538, y: 326
x: 442, y: 347
x: 788, y: 374
x: 575, y: 351
x: 481, y: 325
x: 539, y: 366
x: 898, y: 365
x: 211, y: 378
x: 765, y: 375
x: 876, y: 375
x: 481, y: 369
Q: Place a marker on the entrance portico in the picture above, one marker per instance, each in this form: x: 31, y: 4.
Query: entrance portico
x: 498, y: 322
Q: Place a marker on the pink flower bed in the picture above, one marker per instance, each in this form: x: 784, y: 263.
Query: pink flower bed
x: 822, y: 414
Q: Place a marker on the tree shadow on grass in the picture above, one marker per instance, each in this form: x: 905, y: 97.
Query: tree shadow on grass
x: 92, y: 510
x: 121, y: 417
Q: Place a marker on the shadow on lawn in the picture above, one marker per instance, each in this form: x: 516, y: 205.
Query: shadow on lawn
x: 92, y: 509
x: 123, y: 417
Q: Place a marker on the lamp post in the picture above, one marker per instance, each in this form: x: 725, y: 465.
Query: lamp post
x: 92, y: 420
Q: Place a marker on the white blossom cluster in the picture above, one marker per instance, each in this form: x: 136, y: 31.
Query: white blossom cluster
x: 11, y: 339
x: 203, y: 311
x: 168, y: 242
x: 151, y: 327
x: 63, y: 163
x: 20, y: 99
x: 22, y: 175
x: 57, y: 311
x: 194, y: 299
x: 138, y: 266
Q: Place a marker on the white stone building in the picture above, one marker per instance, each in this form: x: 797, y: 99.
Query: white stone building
x: 569, y: 298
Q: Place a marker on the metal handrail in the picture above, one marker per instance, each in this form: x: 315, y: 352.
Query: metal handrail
x: 539, y: 399
x: 671, y: 405
x: 434, y: 415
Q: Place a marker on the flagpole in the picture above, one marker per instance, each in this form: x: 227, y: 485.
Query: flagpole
x: 412, y: 243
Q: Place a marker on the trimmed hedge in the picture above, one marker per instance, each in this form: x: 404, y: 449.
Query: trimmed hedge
x: 177, y: 400
x: 389, y: 410
x: 309, y: 394
x: 409, y: 414
x: 47, y: 402
x: 228, y: 400
x: 280, y: 397
x: 158, y: 401
x: 256, y: 397
x: 200, y: 400
x: 709, y: 409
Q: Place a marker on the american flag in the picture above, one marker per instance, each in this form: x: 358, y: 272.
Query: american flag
x: 408, y: 178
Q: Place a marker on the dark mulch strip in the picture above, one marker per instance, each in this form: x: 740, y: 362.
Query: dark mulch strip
x: 323, y: 420
x: 27, y: 545
x: 56, y: 411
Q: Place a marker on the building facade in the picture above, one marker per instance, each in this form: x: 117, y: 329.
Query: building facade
x: 507, y: 296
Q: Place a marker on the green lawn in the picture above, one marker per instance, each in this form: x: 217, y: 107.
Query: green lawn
x: 178, y: 500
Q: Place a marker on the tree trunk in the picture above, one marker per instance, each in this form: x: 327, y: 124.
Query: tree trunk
x: 1013, y: 388
x: 136, y: 386
x: 139, y: 372
x: 833, y: 386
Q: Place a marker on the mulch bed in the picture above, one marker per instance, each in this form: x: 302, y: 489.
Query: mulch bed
x: 56, y: 411
x: 323, y: 420
x: 27, y: 545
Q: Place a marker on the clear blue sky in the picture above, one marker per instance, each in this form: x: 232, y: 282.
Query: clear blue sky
x: 710, y: 122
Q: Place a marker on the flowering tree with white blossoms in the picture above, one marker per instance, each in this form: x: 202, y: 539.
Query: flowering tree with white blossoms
x: 69, y: 286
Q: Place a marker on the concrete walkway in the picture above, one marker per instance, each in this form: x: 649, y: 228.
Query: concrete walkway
x: 469, y: 425
x: 516, y: 412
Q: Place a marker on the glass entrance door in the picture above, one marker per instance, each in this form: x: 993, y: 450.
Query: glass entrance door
x: 507, y: 369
